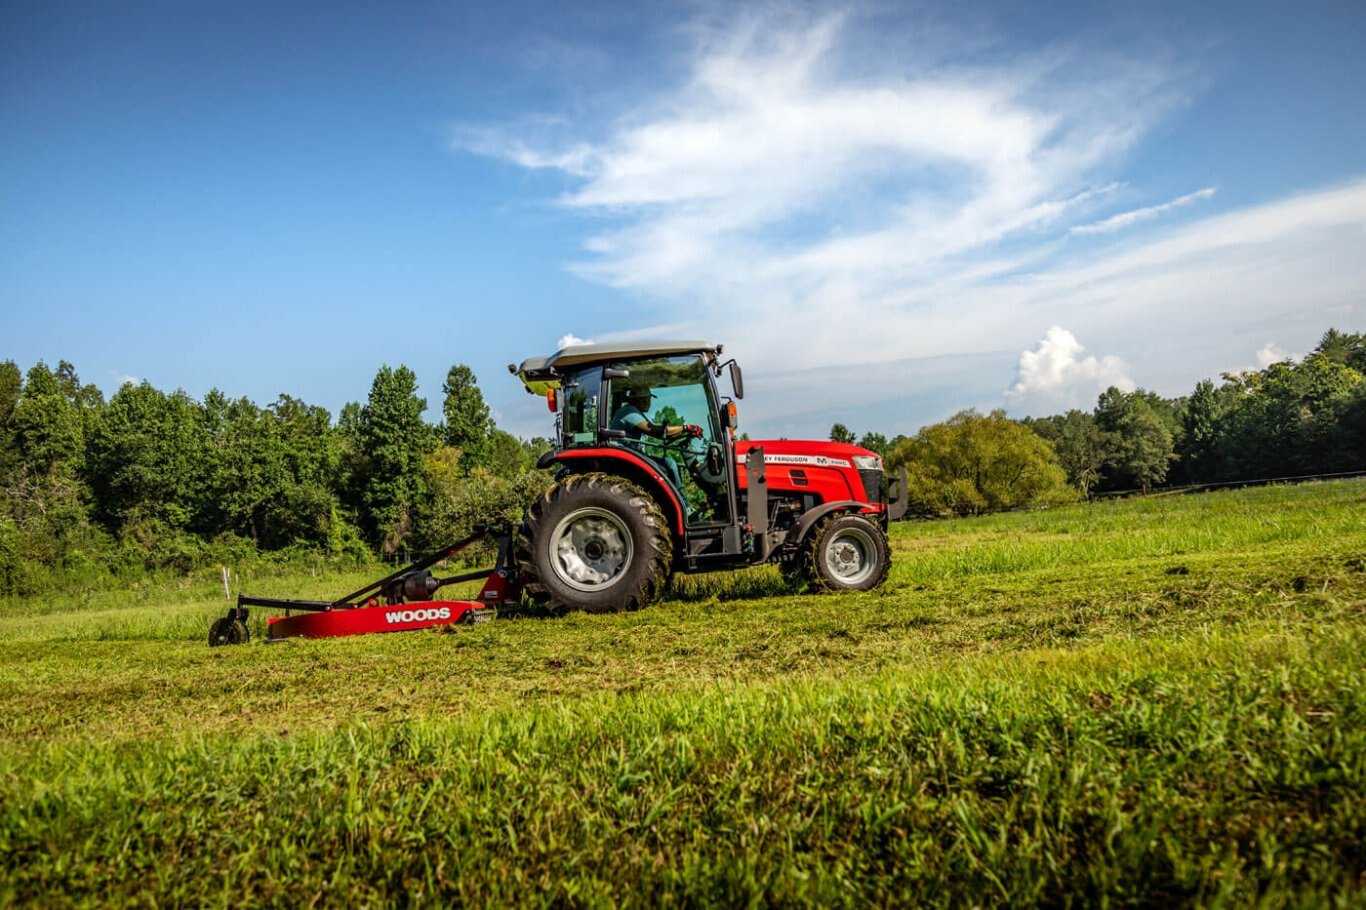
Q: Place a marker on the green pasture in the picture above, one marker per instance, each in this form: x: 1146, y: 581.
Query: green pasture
x: 1148, y: 702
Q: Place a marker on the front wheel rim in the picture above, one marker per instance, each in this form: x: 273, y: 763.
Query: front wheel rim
x: 851, y: 556
x: 591, y: 549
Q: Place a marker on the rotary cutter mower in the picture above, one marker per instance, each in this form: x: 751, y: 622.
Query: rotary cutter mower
x: 399, y: 602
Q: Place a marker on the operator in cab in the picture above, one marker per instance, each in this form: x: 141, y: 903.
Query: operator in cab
x: 630, y: 418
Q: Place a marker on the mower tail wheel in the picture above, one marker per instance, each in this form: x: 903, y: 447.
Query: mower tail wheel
x: 228, y: 631
x: 843, y: 553
x: 594, y: 542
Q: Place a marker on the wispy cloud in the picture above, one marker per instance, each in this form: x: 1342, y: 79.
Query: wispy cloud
x: 835, y: 213
x: 788, y: 174
x: 123, y: 379
x: 1124, y: 219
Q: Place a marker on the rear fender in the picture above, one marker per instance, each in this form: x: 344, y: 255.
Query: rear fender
x: 629, y: 465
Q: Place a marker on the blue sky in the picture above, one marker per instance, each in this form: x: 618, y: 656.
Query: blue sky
x: 888, y: 211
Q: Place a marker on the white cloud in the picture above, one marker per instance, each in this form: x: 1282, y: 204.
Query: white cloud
x: 1270, y: 353
x: 123, y: 379
x: 825, y: 212
x: 775, y: 173
x: 1053, y: 378
x: 570, y: 339
x: 1124, y: 219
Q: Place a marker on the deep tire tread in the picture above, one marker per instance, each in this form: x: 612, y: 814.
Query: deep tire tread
x: 633, y: 504
x: 808, y: 561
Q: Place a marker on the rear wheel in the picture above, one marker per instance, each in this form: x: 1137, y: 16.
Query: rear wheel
x: 594, y: 542
x: 844, y: 553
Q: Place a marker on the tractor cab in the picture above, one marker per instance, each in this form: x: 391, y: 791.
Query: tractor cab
x: 660, y: 404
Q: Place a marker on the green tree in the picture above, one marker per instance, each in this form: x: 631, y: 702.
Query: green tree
x: 875, y: 442
x: 393, y: 442
x: 47, y: 424
x: 508, y: 456
x: 1348, y: 349
x: 840, y: 433
x: 266, y: 471
x: 535, y: 447
x: 468, y: 424
x: 667, y: 416
x: 147, y: 453
x: 1080, y: 444
x: 1285, y: 419
x: 1204, y: 425
x: 11, y: 386
x: 1140, y: 442
x: 974, y: 463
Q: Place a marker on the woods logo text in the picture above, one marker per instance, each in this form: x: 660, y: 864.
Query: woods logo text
x: 417, y: 615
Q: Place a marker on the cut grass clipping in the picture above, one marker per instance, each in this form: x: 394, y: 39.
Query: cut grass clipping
x: 1137, y: 702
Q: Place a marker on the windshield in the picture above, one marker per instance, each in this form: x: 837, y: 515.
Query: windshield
x: 654, y: 405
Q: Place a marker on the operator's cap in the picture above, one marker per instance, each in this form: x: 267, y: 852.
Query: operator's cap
x: 639, y: 390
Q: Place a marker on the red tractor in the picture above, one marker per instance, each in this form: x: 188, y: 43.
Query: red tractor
x: 650, y: 481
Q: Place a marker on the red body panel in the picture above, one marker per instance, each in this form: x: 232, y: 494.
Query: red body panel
x: 361, y: 620
x: 826, y: 467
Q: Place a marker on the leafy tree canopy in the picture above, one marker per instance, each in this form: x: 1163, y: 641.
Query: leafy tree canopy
x: 840, y: 433
x: 468, y: 425
x: 974, y: 463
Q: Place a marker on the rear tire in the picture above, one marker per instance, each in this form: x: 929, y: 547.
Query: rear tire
x: 594, y: 542
x: 844, y: 553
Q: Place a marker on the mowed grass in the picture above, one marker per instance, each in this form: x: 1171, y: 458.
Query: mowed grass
x: 1136, y: 702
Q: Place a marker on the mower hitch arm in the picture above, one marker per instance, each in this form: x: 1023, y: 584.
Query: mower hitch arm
x: 376, y: 587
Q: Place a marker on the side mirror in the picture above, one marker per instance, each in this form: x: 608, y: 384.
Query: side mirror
x: 614, y: 373
x: 737, y: 379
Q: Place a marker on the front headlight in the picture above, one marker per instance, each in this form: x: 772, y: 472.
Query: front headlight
x: 868, y: 462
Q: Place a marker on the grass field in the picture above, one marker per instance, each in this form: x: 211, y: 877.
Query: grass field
x: 1143, y: 702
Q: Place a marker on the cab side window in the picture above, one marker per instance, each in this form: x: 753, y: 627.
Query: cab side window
x: 579, y: 414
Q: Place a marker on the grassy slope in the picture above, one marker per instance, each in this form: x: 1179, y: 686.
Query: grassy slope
x: 1147, y: 700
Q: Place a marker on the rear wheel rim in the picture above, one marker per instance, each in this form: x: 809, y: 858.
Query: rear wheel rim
x: 850, y: 556
x: 591, y: 549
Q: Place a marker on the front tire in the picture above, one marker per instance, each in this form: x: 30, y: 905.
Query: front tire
x: 845, y: 553
x: 594, y: 542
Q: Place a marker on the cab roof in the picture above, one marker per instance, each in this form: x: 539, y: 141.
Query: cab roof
x: 539, y: 373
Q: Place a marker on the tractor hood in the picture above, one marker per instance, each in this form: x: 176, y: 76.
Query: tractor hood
x: 811, y: 453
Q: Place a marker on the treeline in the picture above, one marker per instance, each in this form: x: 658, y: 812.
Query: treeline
x: 1290, y: 419
x: 92, y: 488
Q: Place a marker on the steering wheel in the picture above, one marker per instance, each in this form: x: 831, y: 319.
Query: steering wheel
x: 679, y: 441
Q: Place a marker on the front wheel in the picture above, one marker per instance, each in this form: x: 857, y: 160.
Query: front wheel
x: 844, y: 553
x: 596, y: 543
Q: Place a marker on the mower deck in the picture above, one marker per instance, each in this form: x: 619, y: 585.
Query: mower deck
x: 363, y: 620
x: 399, y: 602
